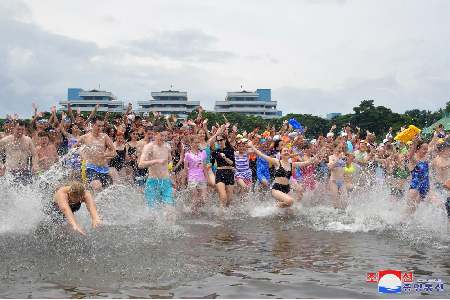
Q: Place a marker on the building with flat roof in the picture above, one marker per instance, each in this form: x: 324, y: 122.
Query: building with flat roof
x: 169, y: 103
x: 331, y: 115
x: 87, y: 100
x: 258, y: 104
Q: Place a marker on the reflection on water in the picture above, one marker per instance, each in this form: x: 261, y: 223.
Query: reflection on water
x: 251, y: 251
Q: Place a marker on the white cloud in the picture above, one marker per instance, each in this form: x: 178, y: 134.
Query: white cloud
x: 331, y: 53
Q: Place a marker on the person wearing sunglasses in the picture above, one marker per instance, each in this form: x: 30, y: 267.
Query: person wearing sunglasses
x: 224, y: 156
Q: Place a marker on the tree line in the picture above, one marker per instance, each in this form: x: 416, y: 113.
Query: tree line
x: 366, y: 116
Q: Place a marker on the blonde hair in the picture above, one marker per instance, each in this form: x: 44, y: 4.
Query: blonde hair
x: 76, y: 189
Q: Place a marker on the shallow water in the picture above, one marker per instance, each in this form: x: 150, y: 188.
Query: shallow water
x: 253, y: 250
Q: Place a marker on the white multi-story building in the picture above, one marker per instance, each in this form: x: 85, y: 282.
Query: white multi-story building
x: 258, y: 104
x: 169, y: 103
x: 87, y: 100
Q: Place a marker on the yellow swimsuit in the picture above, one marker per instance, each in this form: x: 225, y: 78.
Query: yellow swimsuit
x: 349, y: 170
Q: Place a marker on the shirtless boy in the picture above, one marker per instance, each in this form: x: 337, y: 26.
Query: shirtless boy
x: 155, y: 157
x: 17, y: 148
x: 99, y: 149
x: 47, y: 154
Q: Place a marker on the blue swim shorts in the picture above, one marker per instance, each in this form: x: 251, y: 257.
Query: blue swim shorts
x: 158, y: 191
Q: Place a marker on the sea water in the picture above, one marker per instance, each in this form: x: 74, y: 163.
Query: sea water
x: 251, y: 250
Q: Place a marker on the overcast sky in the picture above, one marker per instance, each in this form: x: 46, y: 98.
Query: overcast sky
x: 317, y: 57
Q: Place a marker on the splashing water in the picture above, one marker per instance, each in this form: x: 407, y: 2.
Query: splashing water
x: 252, y: 249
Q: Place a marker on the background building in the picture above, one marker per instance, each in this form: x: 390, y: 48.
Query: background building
x: 169, y: 102
x: 87, y: 100
x: 329, y: 116
x: 258, y: 103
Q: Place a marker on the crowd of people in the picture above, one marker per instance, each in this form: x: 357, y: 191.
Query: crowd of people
x: 161, y: 157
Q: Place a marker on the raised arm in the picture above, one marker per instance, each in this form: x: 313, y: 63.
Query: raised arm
x: 169, y: 125
x: 310, y: 161
x: 63, y: 119
x: 91, y: 115
x: 70, y: 113
x: 270, y: 160
x: 432, y: 143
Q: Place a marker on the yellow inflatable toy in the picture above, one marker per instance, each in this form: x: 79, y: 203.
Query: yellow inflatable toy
x: 407, y: 134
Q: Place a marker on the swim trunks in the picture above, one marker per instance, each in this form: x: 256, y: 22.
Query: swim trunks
x: 158, y: 191
x: 98, y: 173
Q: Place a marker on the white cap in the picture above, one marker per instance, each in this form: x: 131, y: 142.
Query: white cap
x: 292, y: 134
x: 385, y: 140
x: 344, y: 134
x: 276, y: 138
x: 330, y: 134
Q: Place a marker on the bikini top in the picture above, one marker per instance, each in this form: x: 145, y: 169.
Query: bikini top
x: 349, y: 170
x: 339, y: 164
x: 282, y: 172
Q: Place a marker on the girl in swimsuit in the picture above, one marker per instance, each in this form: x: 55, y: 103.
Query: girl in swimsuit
x: 73, y: 159
x: 117, y: 163
x: 419, y: 156
x: 67, y: 200
x: 177, y: 162
x: 283, y: 172
x: 243, y: 175
x: 206, y: 145
x: 351, y: 169
x: 336, y: 165
x: 131, y: 147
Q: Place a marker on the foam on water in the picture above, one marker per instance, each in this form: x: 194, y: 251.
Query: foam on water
x: 253, y: 243
x: 371, y: 210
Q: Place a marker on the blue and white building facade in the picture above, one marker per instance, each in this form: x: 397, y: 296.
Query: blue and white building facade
x: 169, y: 103
x: 87, y: 100
x: 258, y: 104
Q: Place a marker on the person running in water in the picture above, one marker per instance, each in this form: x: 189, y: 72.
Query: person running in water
x: 283, y: 172
x: 155, y: 156
x: 99, y: 149
x: 18, y: 148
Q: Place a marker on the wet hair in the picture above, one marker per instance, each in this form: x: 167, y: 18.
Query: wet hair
x: 96, y: 118
x: 443, y: 146
x: 120, y: 133
x: 419, y: 144
x: 389, y: 147
x: 159, y: 128
x: 19, y: 122
x: 132, y: 131
x: 276, y: 145
x: 336, y: 143
x: 76, y: 189
x: 193, y: 138
x: 137, y: 118
x: 43, y: 134
x: 348, y: 153
x: 224, y: 136
x: 148, y: 128
x: 109, y: 129
x: 256, y: 126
